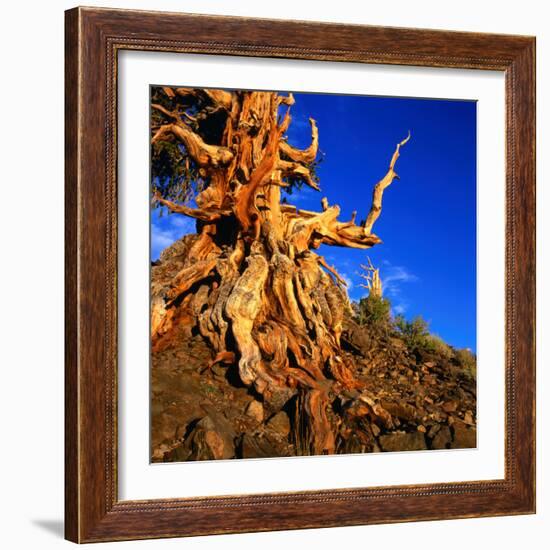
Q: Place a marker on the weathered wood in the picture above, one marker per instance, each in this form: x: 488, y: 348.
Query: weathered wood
x: 265, y: 298
x: 380, y: 187
x: 371, y: 275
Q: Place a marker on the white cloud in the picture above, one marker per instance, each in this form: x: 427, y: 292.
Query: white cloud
x: 161, y: 239
x: 393, y: 276
x: 399, y: 309
x: 173, y: 227
x: 183, y: 223
x: 348, y: 280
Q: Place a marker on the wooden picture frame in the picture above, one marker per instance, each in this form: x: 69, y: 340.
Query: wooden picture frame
x: 93, y: 511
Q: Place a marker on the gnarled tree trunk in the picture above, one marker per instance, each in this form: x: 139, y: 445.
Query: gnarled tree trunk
x: 251, y: 283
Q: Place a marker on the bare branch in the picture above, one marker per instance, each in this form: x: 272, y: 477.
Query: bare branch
x: 164, y: 111
x: 297, y: 170
x: 203, y: 153
x: 379, y: 188
x: 305, y: 156
x: 288, y: 100
x: 220, y: 98
x: 332, y: 270
x: 372, y: 276
x: 307, y: 229
x: 197, y: 213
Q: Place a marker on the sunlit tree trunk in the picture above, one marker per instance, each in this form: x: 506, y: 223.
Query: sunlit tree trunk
x: 251, y: 282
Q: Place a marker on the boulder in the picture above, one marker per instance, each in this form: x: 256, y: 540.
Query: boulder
x: 449, y: 406
x: 402, y: 410
x: 403, y: 442
x: 356, y: 337
x: 255, y: 410
x: 442, y: 439
x: 212, y: 438
x: 280, y: 423
x: 463, y: 437
x: 263, y: 446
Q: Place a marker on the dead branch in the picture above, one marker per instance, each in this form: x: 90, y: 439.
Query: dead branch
x: 210, y: 215
x: 308, y: 229
x: 341, y: 281
x: 372, y: 277
x: 203, y: 153
x: 297, y: 170
x: 379, y: 188
x: 305, y: 156
x: 220, y: 98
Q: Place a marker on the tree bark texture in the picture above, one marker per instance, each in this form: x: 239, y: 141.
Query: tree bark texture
x: 251, y: 283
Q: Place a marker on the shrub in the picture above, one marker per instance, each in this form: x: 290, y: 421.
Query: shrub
x: 467, y: 361
x: 373, y: 311
x: 434, y: 344
x: 414, y: 332
x: 417, y: 337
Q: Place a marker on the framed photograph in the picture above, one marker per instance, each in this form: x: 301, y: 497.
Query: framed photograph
x: 300, y: 275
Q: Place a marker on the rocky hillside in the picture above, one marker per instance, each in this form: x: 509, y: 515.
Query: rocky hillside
x: 417, y: 393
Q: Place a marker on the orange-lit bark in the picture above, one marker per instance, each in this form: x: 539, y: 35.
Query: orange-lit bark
x: 250, y: 283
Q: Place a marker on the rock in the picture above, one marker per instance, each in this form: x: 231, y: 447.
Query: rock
x: 442, y: 440
x: 463, y: 437
x: 469, y: 418
x: 219, y: 370
x: 280, y: 423
x: 421, y: 428
x: 214, y: 442
x: 356, y: 337
x: 449, y: 406
x: 263, y: 446
x: 275, y: 400
x: 178, y: 454
x: 255, y: 410
x: 367, y: 399
x: 358, y: 408
x: 354, y: 445
x: 433, y: 430
x: 403, y: 442
x: 212, y: 438
x: 398, y: 343
x: 404, y: 411
x: 383, y: 416
x: 438, y: 416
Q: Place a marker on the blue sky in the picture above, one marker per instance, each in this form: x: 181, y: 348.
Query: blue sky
x: 428, y: 223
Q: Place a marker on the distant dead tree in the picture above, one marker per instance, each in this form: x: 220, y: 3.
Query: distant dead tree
x: 372, y: 277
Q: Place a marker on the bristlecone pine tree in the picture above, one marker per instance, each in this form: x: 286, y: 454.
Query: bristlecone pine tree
x: 252, y: 284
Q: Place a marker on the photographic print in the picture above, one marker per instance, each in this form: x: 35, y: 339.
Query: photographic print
x: 313, y: 274
x: 335, y: 231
